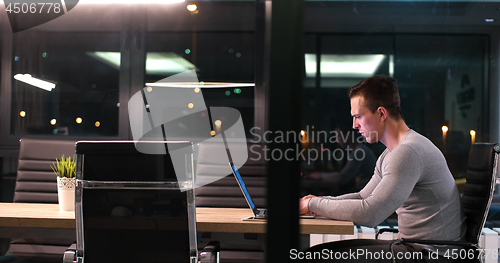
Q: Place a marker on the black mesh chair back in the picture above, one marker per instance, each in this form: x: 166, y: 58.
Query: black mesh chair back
x: 130, y: 206
x: 37, y: 183
x: 479, y: 187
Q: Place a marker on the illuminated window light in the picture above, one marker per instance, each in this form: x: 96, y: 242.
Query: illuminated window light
x: 28, y: 79
x: 79, y: 120
x: 22, y: 113
x: 348, y: 66
x: 53, y: 122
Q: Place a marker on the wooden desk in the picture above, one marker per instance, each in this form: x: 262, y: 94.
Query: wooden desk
x: 226, y: 220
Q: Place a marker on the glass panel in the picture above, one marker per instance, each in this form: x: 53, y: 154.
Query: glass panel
x: 216, y: 57
x: 442, y: 81
x: 327, y: 127
x: 81, y: 76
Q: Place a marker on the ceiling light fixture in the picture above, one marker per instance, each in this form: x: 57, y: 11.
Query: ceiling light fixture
x: 27, y: 78
x: 347, y: 66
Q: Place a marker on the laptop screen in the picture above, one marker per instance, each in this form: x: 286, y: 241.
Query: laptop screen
x: 243, y: 187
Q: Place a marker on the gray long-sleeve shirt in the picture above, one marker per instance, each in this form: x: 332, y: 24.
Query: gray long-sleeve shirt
x: 413, y: 180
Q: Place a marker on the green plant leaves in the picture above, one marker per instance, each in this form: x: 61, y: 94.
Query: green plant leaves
x: 64, y: 167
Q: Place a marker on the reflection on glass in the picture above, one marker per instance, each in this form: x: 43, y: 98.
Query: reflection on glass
x: 224, y: 64
x: 347, y: 66
x: 66, y: 82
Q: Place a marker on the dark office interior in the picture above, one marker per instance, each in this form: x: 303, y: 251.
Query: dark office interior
x: 302, y: 57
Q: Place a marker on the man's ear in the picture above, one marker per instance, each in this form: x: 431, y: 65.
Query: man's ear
x: 382, y: 112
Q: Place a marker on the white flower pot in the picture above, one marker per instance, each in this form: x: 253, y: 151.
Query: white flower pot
x: 66, y: 193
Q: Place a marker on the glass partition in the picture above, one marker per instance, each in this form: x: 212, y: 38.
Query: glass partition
x: 65, y: 83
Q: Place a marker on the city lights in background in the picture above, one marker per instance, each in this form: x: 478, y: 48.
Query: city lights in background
x: 28, y: 79
x: 53, y: 122
x: 79, y: 120
x: 22, y: 113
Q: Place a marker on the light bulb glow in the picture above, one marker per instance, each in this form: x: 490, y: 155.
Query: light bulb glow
x: 191, y: 7
x: 28, y: 79
x: 149, y: 89
x: 197, y: 90
x: 302, y: 132
x: 218, y: 123
x: 212, y: 133
x: 444, y: 128
x: 97, y: 123
x: 53, y: 122
x: 79, y: 120
x: 22, y: 113
x: 472, y: 132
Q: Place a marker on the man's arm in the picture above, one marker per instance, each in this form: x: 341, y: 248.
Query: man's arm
x: 391, y: 188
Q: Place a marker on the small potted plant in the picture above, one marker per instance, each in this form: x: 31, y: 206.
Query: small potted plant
x: 65, y: 169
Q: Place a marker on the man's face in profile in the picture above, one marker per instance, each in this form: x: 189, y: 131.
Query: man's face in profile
x: 366, y: 122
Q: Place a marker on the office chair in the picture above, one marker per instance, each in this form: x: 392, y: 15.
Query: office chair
x: 226, y: 193
x: 37, y: 183
x: 478, y: 192
x: 130, y: 207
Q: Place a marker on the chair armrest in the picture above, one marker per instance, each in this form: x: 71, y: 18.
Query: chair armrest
x: 437, y: 242
x: 383, y: 230
x: 210, y: 253
x: 70, y: 254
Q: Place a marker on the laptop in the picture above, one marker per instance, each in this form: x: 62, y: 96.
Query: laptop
x: 259, y: 214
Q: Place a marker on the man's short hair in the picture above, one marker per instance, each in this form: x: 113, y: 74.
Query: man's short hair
x: 379, y: 91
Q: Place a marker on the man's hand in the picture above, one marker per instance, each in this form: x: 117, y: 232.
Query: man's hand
x: 304, y: 204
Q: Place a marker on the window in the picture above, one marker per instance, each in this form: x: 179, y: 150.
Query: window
x: 81, y: 76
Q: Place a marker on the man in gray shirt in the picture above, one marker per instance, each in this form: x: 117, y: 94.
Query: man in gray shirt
x: 411, y: 176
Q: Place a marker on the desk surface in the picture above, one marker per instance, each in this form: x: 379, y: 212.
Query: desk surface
x: 226, y: 220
